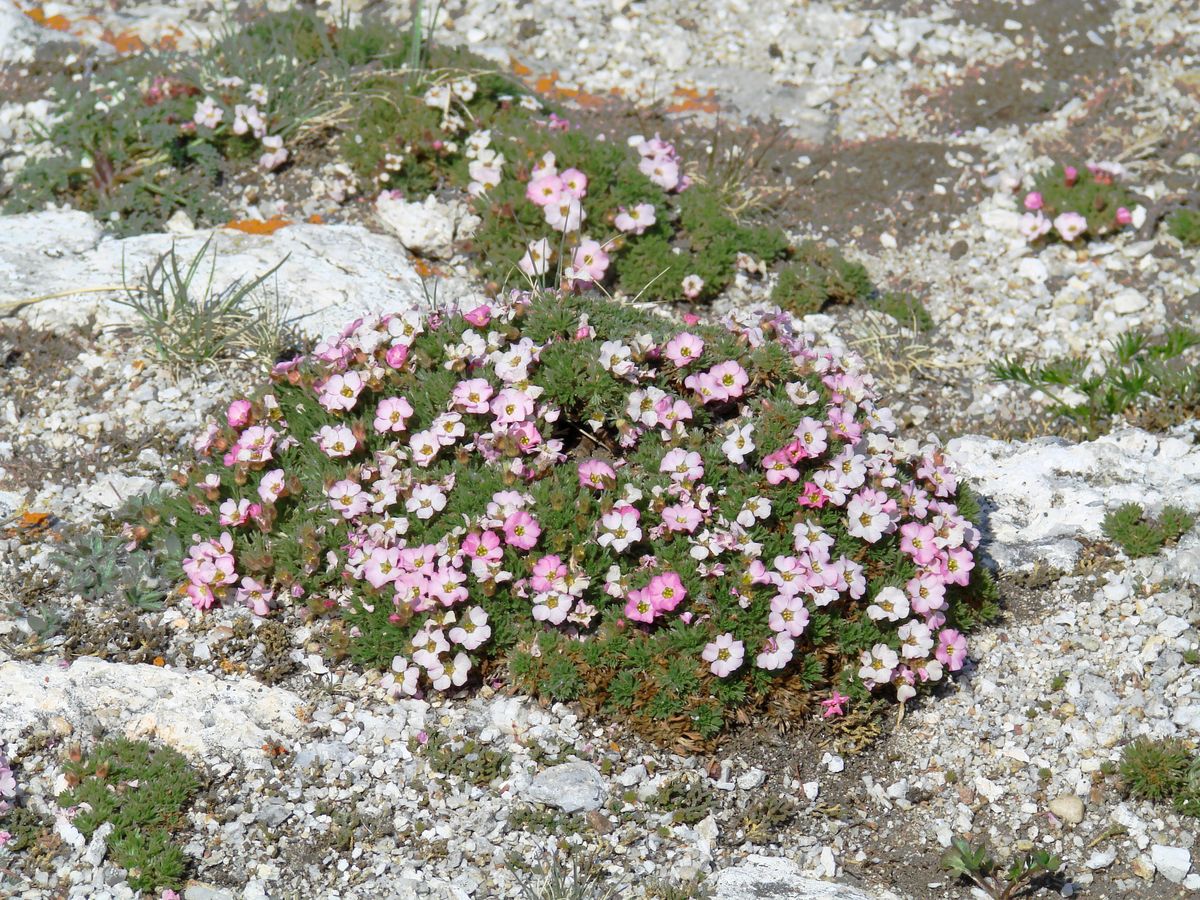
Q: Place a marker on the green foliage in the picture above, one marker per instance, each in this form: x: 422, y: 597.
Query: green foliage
x: 905, y: 308
x: 819, y: 276
x: 467, y: 759
x: 97, y: 568
x: 765, y: 817
x: 1097, y: 199
x: 143, y: 792
x: 1138, y: 535
x: 188, y: 323
x: 1185, y: 225
x: 965, y: 861
x: 687, y: 798
x: 1156, y: 770
x: 1140, y: 372
x: 650, y: 674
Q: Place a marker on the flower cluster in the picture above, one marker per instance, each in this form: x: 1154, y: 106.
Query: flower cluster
x: 238, y: 111
x: 531, y: 478
x: 1070, y: 204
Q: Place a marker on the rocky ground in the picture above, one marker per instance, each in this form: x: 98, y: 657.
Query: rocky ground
x: 904, y: 130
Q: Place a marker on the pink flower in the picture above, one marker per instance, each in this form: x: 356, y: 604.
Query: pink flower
x: 692, y: 285
x: 682, y: 465
x: 574, y: 183
x: 545, y: 190
x: 731, y: 377
x: 511, y: 406
x: 238, y: 414
x: 336, y: 441
x: 341, y: 391
x: 347, y: 498
x: 566, y: 214
x: 546, y: 571
x: 1033, y: 226
x: 201, y: 596
x: 484, y: 547
x: 472, y: 396
x: 681, y: 517
x: 396, y: 356
x: 596, y: 474
x: 788, y: 615
x: 812, y: 496
x: 590, y: 262
x: 255, y: 444
x: 724, y: 655
x: 706, y: 387
x: 1070, y: 225
x: 392, y: 414
x: 472, y: 629
x: 211, y: 562
x: 169, y: 894
x: 1070, y: 175
x: 639, y: 607
x: 521, y: 530
x: 1124, y: 216
x: 480, y: 316
x: 835, y: 705
x: 779, y: 468
x: 1033, y: 201
x: 917, y: 541
x: 383, y: 566
x: 636, y: 220
x: 684, y: 349
x: 255, y: 596
x: 665, y: 592
x: 951, y: 649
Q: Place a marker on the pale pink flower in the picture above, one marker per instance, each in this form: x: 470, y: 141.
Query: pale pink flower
x: 238, y: 414
x: 348, y: 498
x: 636, y: 220
x: 684, y: 349
x: 536, y: 261
x: 521, y: 530
x: 341, y: 391
x: 472, y: 396
x: 692, y: 285
x: 724, y: 655
x: 574, y: 183
x: 392, y: 414
x: 1070, y: 225
x: 590, y: 262
x: 596, y: 474
x: 336, y: 441
x: 255, y: 596
x: 544, y: 190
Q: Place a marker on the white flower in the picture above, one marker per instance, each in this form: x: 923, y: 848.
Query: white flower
x: 891, y: 603
x: 620, y: 529
x: 616, y: 357
x: 878, y: 664
x: 738, y: 443
x: 208, y: 113
x: 426, y: 501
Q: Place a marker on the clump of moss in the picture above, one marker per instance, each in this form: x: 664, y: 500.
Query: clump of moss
x: 818, y: 276
x: 1139, y: 535
x: 1165, y: 769
x: 144, y: 793
x: 467, y: 759
x: 1184, y: 224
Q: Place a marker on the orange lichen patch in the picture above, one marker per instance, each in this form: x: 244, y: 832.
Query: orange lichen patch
x: 519, y: 68
x: 691, y: 100
x: 159, y: 661
x: 424, y: 269
x: 258, y: 226
x: 548, y: 86
x: 31, y: 525
x: 56, y: 23
x: 124, y: 43
x: 315, y: 219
